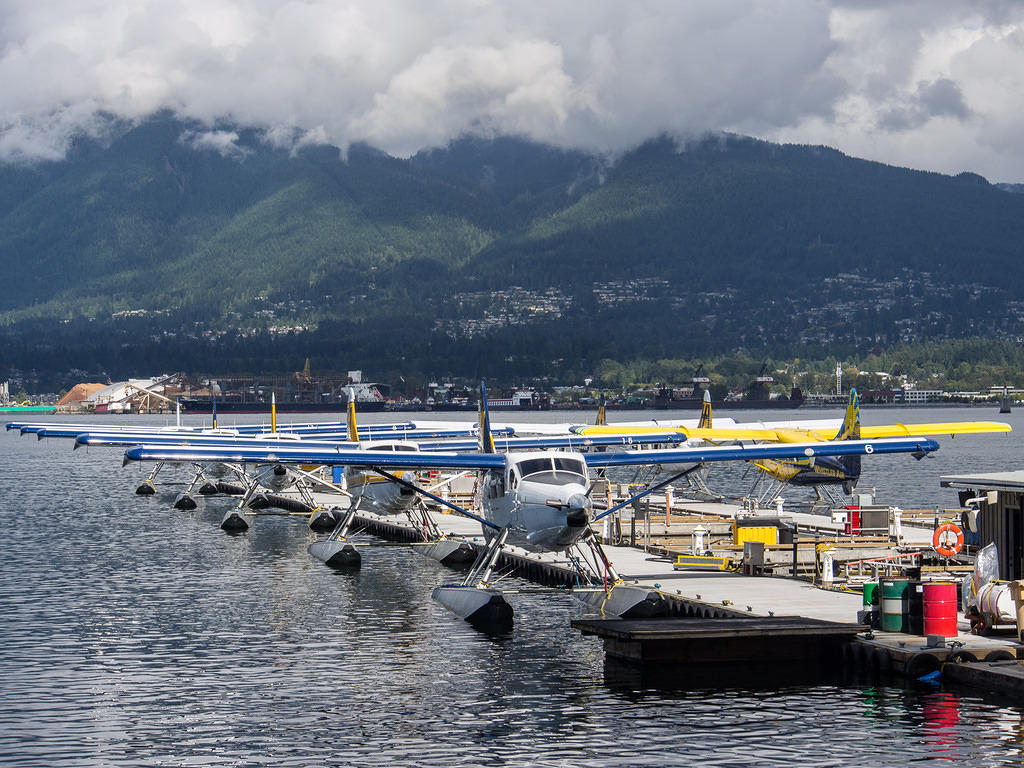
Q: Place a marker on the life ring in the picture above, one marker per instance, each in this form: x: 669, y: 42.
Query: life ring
x: 941, y: 539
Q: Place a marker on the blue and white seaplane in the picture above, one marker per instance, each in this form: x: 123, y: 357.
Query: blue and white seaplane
x: 365, y: 488
x: 272, y: 477
x: 537, y: 500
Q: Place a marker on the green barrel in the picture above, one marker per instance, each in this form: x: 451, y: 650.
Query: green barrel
x: 895, y: 609
x: 870, y: 593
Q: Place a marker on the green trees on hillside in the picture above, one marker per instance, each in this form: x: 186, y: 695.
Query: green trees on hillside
x: 727, y: 251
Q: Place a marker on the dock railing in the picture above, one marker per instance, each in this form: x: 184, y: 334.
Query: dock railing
x: 890, y: 565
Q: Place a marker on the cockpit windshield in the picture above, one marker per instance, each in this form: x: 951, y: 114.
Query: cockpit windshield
x: 557, y: 470
x: 533, y: 466
x: 570, y: 465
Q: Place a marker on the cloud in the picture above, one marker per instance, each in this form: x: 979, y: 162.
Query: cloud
x: 224, y: 143
x: 941, y: 98
x: 929, y: 84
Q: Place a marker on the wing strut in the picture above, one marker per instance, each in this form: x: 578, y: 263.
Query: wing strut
x: 652, y: 489
x: 438, y: 499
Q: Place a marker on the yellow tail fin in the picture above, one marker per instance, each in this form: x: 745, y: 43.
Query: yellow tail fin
x: 485, y: 439
x: 705, y: 412
x: 353, y: 432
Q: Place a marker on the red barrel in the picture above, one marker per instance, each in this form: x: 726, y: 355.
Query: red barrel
x: 940, y: 606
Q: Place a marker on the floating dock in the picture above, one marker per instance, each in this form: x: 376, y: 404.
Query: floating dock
x: 733, y: 640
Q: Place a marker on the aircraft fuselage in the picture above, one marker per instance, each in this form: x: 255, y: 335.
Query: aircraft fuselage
x: 541, y: 497
x: 826, y: 470
x: 378, y: 492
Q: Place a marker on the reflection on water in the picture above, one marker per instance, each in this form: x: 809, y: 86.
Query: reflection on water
x: 137, y: 634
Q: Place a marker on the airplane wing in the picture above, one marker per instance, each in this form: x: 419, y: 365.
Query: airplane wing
x: 799, y: 435
x: 128, y: 439
x: 916, y: 445
x: 342, y: 455
x: 702, y: 433
x: 185, y: 436
x: 937, y: 428
x: 472, y: 460
x: 501, y: 443
x: 571, y: 442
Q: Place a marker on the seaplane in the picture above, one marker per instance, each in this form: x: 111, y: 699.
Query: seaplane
x: 382, y: 494
x: 272, y: 478
x: 262, y: 485
x: 536, y: 500
x: 823, y: 473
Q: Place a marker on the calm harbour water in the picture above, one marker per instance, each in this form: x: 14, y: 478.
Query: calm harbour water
x: 132, y: 633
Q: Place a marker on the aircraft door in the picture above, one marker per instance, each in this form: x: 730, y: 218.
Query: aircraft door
x: 494, y: 485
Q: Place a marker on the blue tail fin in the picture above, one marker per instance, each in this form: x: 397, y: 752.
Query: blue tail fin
x: 850, y: 428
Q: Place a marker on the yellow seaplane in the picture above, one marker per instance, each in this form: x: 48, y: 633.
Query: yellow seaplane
x: 820, y: 472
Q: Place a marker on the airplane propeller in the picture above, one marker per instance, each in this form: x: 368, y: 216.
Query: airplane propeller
x: 578, y: 508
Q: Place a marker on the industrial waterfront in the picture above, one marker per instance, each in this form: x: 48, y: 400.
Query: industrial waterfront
x: 138, y: 634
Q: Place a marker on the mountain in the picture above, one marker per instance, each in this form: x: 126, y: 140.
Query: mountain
x: 497, y: 257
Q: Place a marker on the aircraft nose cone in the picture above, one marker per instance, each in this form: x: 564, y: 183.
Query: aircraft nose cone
x: 578, y: 515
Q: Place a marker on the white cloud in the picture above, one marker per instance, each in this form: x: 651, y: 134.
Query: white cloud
x: 933, y: 84
x: 224, y: 143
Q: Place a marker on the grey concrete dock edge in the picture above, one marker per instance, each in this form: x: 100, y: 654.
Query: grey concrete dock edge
x: 997, y: 677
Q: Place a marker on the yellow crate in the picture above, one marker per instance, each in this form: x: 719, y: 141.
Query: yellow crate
x: 766, y: 535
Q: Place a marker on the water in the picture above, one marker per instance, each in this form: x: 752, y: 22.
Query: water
x: 134, y: 634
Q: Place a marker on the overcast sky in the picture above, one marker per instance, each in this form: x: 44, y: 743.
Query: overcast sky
x: 931, y: 84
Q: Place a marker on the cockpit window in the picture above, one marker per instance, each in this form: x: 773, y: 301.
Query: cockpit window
x: 556, y: 478
x: 554, y: 470
x: 569, y: 465
x: 533, y: 466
